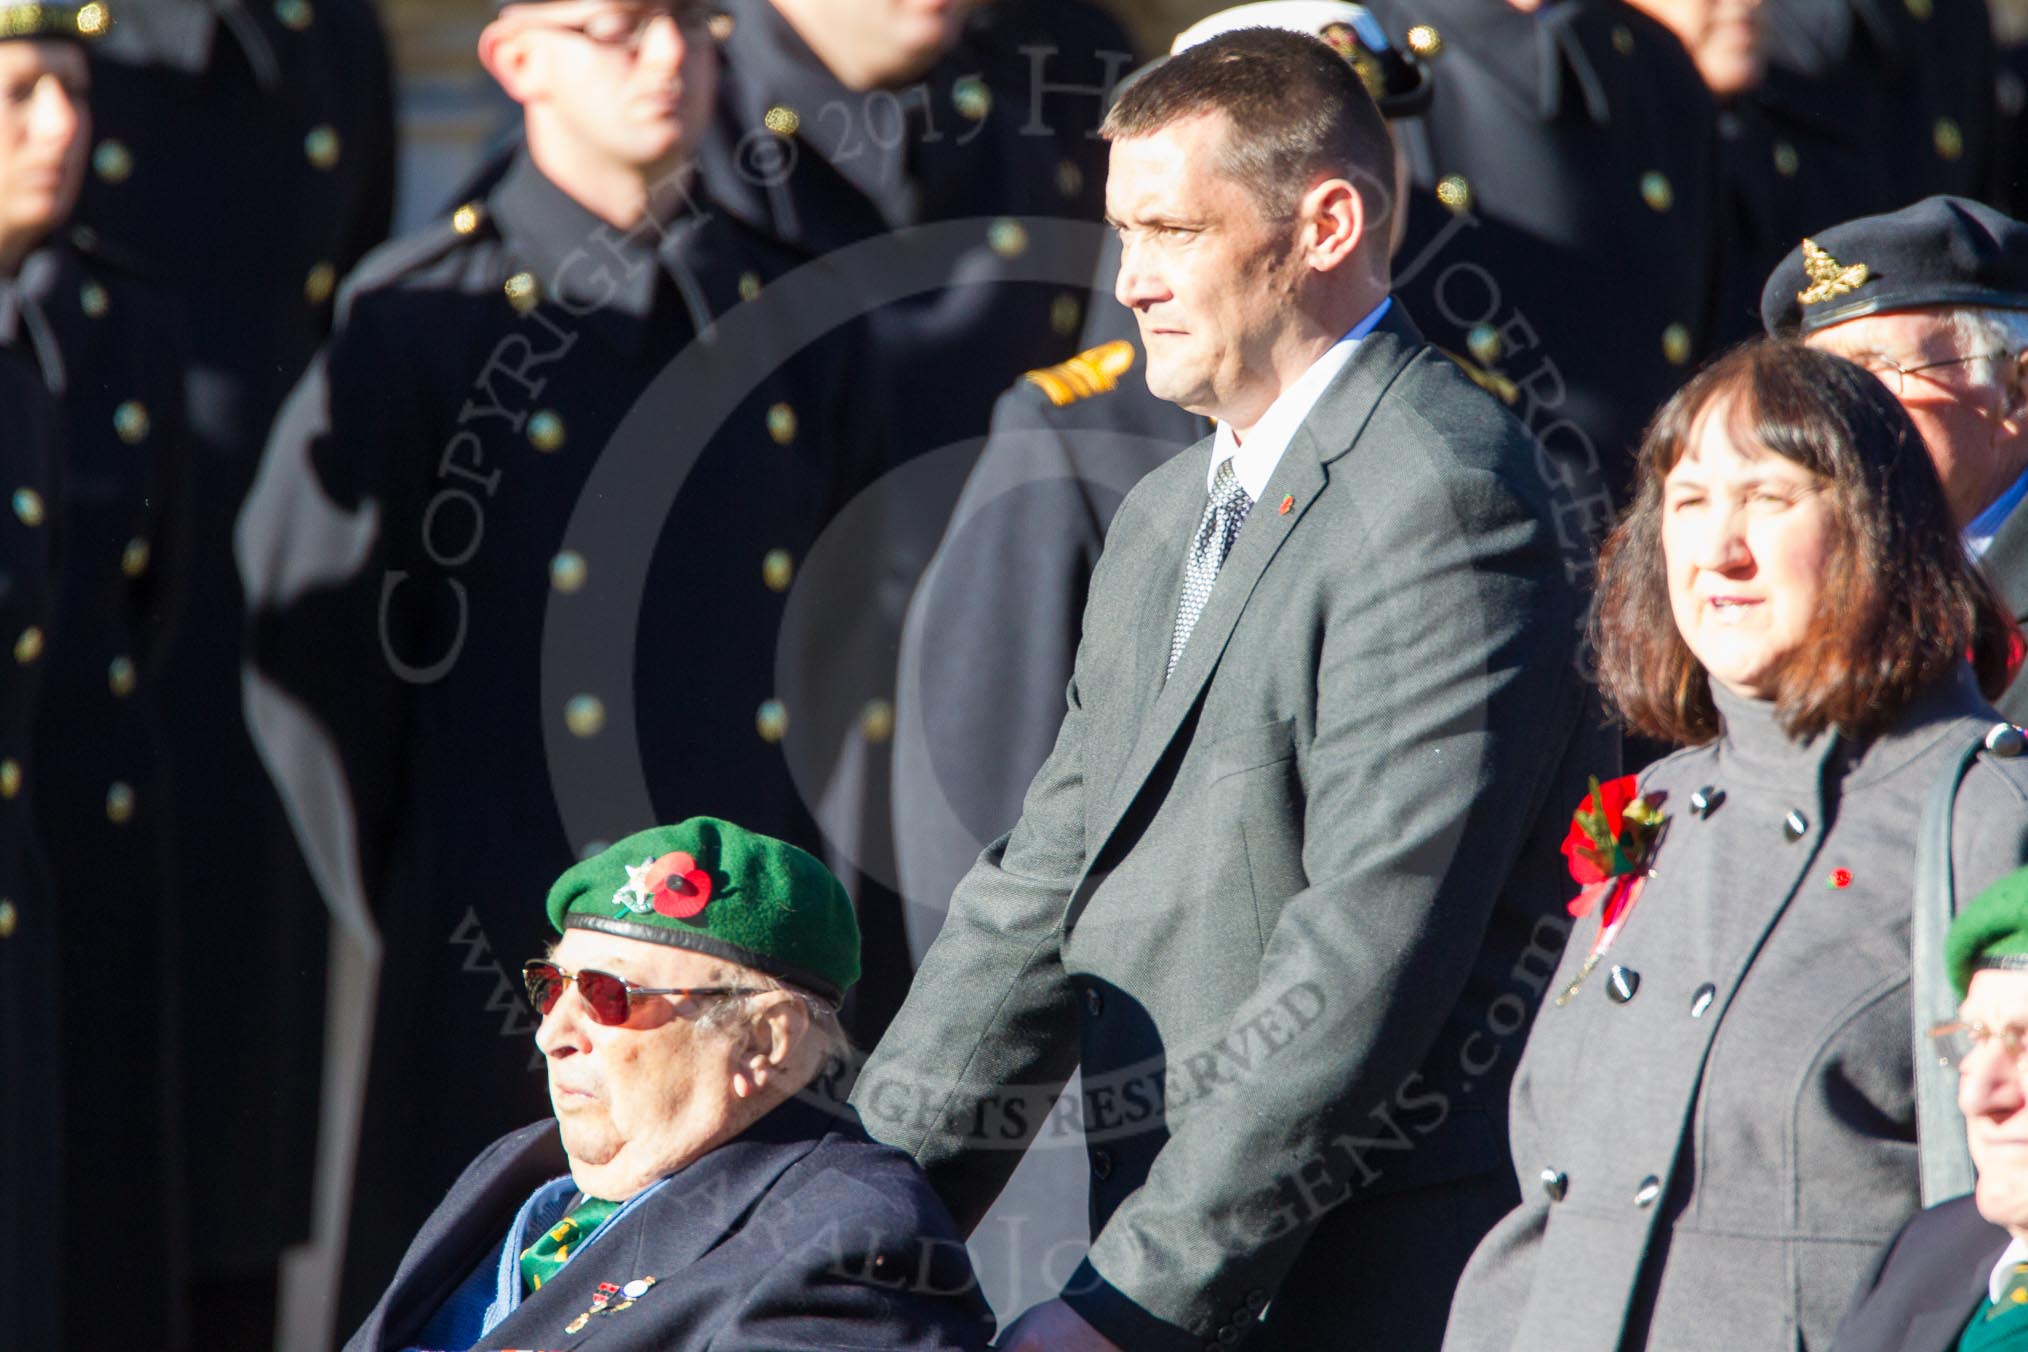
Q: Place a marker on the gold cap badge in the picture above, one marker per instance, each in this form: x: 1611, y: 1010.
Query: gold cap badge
x: 1829, y: 279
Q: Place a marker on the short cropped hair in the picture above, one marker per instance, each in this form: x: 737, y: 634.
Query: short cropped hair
x: 1297, y: 111
x: 1905, y: 603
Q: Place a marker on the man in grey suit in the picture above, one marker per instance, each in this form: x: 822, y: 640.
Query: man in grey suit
x: 1933, y: 299
x: 1288, y: 884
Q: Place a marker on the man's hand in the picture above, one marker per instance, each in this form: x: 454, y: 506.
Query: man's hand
x: 1053, y: 1327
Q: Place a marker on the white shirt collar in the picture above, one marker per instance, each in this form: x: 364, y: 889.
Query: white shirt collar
x: 2015, y: 1252
x: 1979, y: 534
x: 1254, y: 462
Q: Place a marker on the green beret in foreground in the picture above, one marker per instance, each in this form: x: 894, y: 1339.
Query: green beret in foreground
x: 1992, y: 932
x: 719, y: 889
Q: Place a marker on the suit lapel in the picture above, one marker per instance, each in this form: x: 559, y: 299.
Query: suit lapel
x: 1332, y: 429
x: 2007, y: 561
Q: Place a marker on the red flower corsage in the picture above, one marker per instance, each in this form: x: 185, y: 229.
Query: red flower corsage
x: 1612, y: 835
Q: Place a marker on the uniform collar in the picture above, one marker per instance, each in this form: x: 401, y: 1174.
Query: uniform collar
x: 2003, y: 1267
x: 609, y: 276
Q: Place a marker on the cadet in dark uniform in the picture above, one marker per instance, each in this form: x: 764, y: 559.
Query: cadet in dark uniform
x: 846, y: 121
x: 987, y: 645
x: 106, y: 346
x: 517, y: 559
x: 243, y: 153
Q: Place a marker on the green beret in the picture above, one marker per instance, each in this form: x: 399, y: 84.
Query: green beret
x: 1992, y: 932
x: 719, y: 889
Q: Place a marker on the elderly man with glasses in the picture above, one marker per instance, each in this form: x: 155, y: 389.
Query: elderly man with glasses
x: 698, y: 1186
x: 1955, y: 1279
x: 1933, y: 299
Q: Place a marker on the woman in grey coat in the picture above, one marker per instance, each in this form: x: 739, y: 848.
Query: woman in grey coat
x: 1713, y: 1119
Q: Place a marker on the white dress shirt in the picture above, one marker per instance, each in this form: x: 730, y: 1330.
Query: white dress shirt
x: 1996, y: 1282
x: 1255, y: 461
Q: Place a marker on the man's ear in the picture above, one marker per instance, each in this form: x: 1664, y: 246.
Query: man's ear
x: 1334, y: 222
x: 506, y: 54
x: 769, y: 1045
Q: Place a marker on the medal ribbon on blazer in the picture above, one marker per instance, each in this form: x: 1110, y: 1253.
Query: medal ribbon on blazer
x: 1612, y: 836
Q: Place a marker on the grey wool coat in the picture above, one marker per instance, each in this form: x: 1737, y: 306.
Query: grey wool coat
x: 1717, y: 1131
x: 1271, y: 901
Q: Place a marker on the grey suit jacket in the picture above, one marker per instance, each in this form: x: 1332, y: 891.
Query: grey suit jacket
x: 2006, y: 564
x: 1292, y: 906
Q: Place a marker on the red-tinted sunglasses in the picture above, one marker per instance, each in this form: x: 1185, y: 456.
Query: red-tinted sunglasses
x: 610, y: 998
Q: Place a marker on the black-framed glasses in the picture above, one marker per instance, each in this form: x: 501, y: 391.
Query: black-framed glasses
x: 609, y: 998
x: 625, y: 27
x: 1956, y: 1041
x: 1896, y: 375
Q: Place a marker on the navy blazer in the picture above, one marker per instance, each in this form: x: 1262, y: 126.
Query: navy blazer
x: 1925, y: 1284
x: 800, y: 1235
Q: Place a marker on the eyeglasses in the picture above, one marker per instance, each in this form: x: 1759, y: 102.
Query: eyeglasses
x: 626, y: 28
x: 610, y: 998
x: 1954, y: 1042
x: 1896, y: 375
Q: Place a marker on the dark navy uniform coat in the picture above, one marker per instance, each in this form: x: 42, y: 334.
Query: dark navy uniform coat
x: 31, y: 1046
x: 518, y: 562
x: 800, y: 1235
x: 100, y: 770
x: 243, y: 152
x: 1927, y: 1283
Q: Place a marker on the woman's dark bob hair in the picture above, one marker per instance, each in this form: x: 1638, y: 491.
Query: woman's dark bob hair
x: 1902, y: 603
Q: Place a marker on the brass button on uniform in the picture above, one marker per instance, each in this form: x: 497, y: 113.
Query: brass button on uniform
x: 584, y: 715
x: 1065, y: 314
x: 545, y: 430
x: 1786, y: 161
x: 10, y: 778
x: 1650, y: 1189
x: 93, y: 300
x: 1921, y: 9
x: 1006, y: 238
x: 92, y: 19
x: 778, y: 569
x: 749, y: 285
x: 319, y: 282
x: 130, y: 420
x: 1676, y: 345
x: 1701, y: 1001
x: 120, y: 677
x: 1483, y: 341
x: 1949, y: 138
x: 782, y: 424
x: 294, y: 14
x: 134, y: 558
x: 522, y: 292
x: 1069, y: 178
x: 971, y: 97
x: 28, y: 646
x: 112, y: 161
x: 1555, y: 1184
x: 721, y: 27
x: 1656, y: 190
x: 10, y: 920
x: 321, y: 146
x: 1623, y: 39
x: 466, y: 218
x: 120, y: 803
x: 1424, y: 41
x: 876, y: 721
x: 567, y: 572
x: 771, y: 720
x: 782, y: 120
x: 1455, y: 192
x: 29, y: 507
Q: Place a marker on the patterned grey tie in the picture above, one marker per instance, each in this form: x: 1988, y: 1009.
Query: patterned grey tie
x: 1224, y: 514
